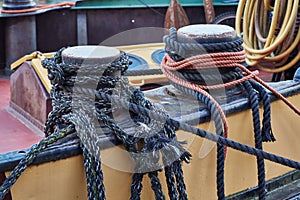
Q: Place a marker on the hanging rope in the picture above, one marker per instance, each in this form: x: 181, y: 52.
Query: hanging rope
x: 201, y: 62
x: 152, y: 145
x: 188, y: 128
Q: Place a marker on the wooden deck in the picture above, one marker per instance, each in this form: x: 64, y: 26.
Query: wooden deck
x: 14, y: 134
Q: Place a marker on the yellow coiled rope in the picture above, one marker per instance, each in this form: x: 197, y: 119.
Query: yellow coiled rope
x: 270, y: 33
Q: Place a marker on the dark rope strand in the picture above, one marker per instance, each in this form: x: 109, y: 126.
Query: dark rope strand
x: 99, y: 179
x: 142, y: 72
x: 267, y: 132
x: 202, y: 133
x: 136, y: 186
x: 207, y: 77
x: 169, y: 174
x: 219, y: 129
x: 183, y: 48
x: 31, y: 155
x: 90, y: 174
x: 179, y: 177
x: 149, y: 145
x: 156, y: 185
x: 63, y: 76
x: 258, y: 138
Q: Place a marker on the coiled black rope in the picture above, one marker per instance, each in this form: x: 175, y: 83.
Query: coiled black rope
x: 179, y: 47
x: 186, y: 47
x: 64, y: 77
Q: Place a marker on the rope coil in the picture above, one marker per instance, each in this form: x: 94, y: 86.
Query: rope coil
x: 153, y: 144
x: 178, y: 68
x: 271, y: 33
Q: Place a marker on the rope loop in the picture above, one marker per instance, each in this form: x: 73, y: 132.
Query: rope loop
x: 186, y: 47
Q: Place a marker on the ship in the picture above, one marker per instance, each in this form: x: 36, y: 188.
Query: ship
x: 136, y: 32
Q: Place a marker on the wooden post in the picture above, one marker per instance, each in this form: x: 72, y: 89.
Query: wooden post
x: 91, y: 55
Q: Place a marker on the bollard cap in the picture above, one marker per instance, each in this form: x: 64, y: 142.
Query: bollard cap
x: 208, y: 33
x: 90, y: 55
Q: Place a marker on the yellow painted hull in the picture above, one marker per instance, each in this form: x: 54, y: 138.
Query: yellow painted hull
x: 65, y: 179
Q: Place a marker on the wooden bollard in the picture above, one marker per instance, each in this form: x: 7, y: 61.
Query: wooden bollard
x: 91, y: 61
x: 208, y: 33
x: 91, y: 55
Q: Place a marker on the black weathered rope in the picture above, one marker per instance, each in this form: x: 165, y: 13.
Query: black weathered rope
x: 199, y: 132
x: 219, y: 130
x: 184, y: 47
x: 142, y: 72
x: 103, y: 110
x: 31, y: 155
x: 267, y: 133
x: 258, y: 139
x: 179, y: 177
x: 208, y: 76
x: 184, y: 54
x: 153, y: 143
x: 180, y: 47
x: 62, y: 78
x: 136, y: 186
x: 90, y: 179
x: 172, y: 190
x: 156, y: 185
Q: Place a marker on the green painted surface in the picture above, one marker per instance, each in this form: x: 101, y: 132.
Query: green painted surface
x: 91, y: 4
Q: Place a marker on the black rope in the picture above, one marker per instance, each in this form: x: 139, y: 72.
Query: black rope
x: 180, y: 47
x: 89, y: 171
x: 185, y: 47
x: 267, y: 133
x: 208, y: 76
x: 104, y: 109
x: 156, y: 185
x: 179, y: 177
x: 143, y: 72
x: 172, y: 190
x: 219, y: 130
x: 31, y: 155
x: 199, y: 132
x: 258, y: 138
x: 136, y: 186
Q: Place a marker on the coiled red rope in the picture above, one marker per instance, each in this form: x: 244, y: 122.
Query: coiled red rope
x: 216, y: 60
